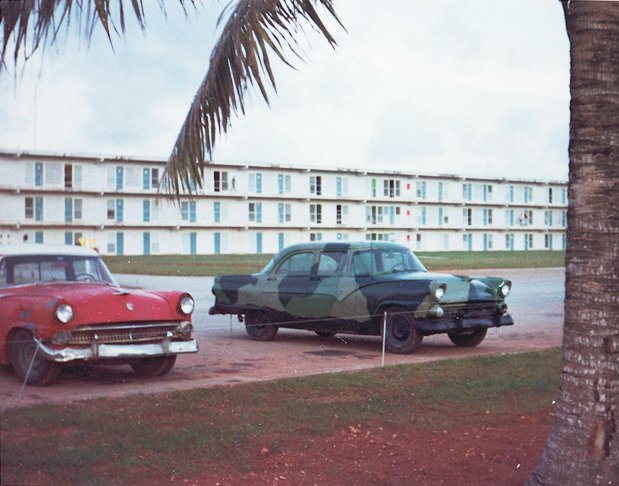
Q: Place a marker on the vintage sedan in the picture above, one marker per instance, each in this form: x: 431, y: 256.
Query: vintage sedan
x: 362, y: 288
x: 61, y: 305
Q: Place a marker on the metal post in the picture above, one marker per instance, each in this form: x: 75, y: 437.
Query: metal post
x: 384, y: 337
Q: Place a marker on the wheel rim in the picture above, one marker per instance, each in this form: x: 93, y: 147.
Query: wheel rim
x: 26, y: 353
x: 400, y: 329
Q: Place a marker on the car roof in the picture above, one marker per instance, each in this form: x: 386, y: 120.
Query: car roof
x: 343, y: 246
x: 44, y: 249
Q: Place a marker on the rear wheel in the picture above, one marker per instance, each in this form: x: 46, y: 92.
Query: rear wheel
x: 154, y: 366
x: 402, y: 337
x: 259, y: 326
x: 34, y: 370
x: 468, y: 339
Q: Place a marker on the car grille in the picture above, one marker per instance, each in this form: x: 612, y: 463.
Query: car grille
x: 473, y: 310
x: 126, y: 333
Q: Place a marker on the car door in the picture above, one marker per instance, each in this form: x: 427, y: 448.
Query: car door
x: 284, y: 287
x: 323, y: 291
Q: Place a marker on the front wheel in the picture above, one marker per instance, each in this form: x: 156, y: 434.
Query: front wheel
x: 468, y: 339
x: 259, y: 326
x: 30, y: 368
x: 154, y: 366
x: 402, y: 337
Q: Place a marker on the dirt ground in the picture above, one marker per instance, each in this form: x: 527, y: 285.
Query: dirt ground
x: 502, y: 451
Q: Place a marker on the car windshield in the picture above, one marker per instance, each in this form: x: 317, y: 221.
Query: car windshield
x: 29, y: 269
x: 376, y: 261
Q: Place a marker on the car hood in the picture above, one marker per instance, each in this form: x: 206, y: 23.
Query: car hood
x: 99, y: 303
x: 458, y: 287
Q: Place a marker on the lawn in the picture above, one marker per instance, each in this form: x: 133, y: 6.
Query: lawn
x: 209, y: 265
x: 204, y: 435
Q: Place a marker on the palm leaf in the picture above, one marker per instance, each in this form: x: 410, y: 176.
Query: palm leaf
x: 240, y: 59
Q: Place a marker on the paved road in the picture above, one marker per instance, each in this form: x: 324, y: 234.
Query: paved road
x: 227, y: 356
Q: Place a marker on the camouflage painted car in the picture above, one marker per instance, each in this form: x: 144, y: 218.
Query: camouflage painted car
x: 332, y: 288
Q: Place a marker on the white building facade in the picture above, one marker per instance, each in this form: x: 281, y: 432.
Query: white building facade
x: 113, y: 204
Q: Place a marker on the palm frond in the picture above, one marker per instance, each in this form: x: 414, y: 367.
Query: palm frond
x: 240, y: 59
x: 34, y: 24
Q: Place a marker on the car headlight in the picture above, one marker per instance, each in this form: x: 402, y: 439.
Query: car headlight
x: 186, y: 305
x: 64, y: 313
x: 504, y: 289
x: 438, y: 293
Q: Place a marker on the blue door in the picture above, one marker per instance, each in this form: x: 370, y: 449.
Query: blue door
x: 193, y: 242
x: 120, y: 243
x: 217, y: 243
x: 146, y: 241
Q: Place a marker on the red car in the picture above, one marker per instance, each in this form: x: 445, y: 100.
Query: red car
x: 60, y: 304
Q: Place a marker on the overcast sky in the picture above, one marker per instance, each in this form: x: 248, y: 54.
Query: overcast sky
x: 477, y: 87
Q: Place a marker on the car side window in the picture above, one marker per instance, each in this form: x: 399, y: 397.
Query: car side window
x: 362, y: 263
x: 26, y: 272
x: 4, y: 278
x: 393, y: 261
x: 298, y: 264
x: 331, y: 263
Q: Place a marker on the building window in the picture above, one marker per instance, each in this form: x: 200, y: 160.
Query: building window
x: 220, y: 181
x: 564, y: 218
x: 467, y: 216
x: 509, y: 217
x: 33, y: 208
x: 281, y: 241
x: 467, y: 192
x: 510, y: 194
x: 150, y: 178
x: 283, y: 184
x: 391, y: 188
x: 527, y: 193
x: 316, y: 185
x: 487, y: 214
x: 509, y: 241
x: 526, y: 218
x: 341, y: 186
x: 315, y: 236
x: 284, y: 213
x: 421, y: 189
x: 29, y: 208
x: 146, y: 210
x: 255, y: 212
x: 316, y: 213
x: 550, y: 195
x: 120, y: 175
x: 528, y: 241
x: 440, y: 191
x: 188, y: 211
x: 258, y: 242
x: 255, y: 182
x: 487, y: 241
x: 38, y: 237
x: 115, y: 210
x: 487, y: 192
x: 563, y: 195
x: 72, y: 209
x: 217, y: 212
x: 373, y: 185
x: 440, y: 216
x: 548, y: 241
x: 423, y: 219
x: 341, y: 214
x: 68, y: 176
x: 38, y: 174
x: 548, y: 218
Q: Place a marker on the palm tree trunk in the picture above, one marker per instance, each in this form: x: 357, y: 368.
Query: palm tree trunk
x: 583, y: 444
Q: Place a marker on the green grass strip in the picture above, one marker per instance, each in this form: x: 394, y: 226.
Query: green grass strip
x: 189, y: 431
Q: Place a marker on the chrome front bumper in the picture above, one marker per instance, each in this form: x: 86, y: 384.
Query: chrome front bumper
x: 98, y: 350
